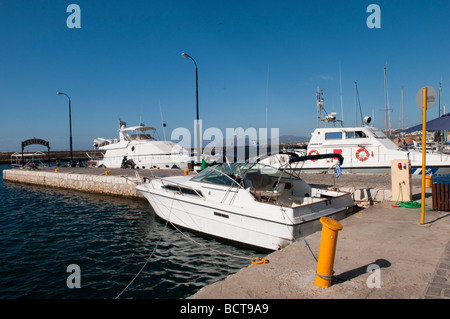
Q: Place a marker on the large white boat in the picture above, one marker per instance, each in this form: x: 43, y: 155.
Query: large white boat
x: 366, y: 149
x: 137, y: 148
x: 249, y: 204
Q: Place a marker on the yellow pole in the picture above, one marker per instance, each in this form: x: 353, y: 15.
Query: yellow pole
x: 424, y: 151
x: 327, y: 251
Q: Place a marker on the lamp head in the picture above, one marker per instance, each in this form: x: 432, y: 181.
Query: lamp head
x: 184, y: 55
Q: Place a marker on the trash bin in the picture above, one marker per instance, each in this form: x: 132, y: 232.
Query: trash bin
x: 440, y: 192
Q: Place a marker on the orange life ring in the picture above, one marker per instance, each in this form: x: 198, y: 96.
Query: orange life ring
x: 313, y: 152
x: 364, y: 157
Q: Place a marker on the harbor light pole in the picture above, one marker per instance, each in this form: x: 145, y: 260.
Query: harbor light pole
x: 184, y: 55
x: 70, y: 123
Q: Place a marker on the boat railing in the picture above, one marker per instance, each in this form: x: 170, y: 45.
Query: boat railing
x: 234, y: 183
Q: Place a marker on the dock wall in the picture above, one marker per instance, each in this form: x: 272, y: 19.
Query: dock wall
x: 102, y: 184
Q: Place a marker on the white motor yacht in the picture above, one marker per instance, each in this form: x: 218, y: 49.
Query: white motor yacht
x: 249, y: 204
x: 137, y: 148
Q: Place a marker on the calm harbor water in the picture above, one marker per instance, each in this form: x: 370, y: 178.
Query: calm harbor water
x: 44, y: 230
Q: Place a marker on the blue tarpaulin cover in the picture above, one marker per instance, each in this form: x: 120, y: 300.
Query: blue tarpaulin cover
x: 439, y: 124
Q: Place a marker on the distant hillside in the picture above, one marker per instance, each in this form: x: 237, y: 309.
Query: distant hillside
x: 290, y: 139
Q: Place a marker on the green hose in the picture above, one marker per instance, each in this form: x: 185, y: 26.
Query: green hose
x: 409, y: 204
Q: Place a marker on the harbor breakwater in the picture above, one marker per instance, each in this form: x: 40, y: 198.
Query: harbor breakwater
x: 103, y: 184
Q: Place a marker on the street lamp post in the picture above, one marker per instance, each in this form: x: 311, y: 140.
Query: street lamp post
x: 184, y: 55
x: 70, y: 123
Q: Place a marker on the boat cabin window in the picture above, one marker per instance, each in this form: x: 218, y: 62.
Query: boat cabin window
x: 234, y: 173
x: 333, y: 135
x: 138, y: 137
x: 222, y: 174
x: 183, y: 190
x: 355, y: 134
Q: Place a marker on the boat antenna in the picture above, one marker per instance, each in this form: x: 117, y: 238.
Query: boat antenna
x: 162, y: 120
x: 320, y: 108
x: 329, y: 117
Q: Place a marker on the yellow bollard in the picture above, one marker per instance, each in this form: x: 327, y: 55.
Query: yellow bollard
x: 56, y: 170
x: 327, y: 251
x: 107, y: 172
x: 186, y: 172
x: 427, y: 181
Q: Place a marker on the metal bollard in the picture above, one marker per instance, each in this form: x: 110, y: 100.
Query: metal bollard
x: 327, y: 250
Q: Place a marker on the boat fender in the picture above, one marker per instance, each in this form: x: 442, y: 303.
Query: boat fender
x: 313, y: 152
x: 259, y: 261
x: 365, y: 155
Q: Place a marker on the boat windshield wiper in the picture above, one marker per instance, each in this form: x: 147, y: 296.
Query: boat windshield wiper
x: 295, y: 159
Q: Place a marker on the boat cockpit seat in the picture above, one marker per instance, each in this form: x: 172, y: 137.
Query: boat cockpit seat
x: 259, y: 182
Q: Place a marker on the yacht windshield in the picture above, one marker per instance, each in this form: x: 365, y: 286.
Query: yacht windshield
x: 229, y: 174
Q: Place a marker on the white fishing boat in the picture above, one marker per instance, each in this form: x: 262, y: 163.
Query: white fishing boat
x: 249, y: 204
x: 136, y: 147
x: 366, y: 149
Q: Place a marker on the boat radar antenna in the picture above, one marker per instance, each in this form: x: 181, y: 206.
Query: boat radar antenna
x: 328, y: 117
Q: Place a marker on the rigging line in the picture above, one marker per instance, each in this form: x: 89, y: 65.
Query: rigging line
x: 148, y: 259
x: 143, y: 266
x: 310, y: 250
x: 209, y: 248
x: 359, y: 103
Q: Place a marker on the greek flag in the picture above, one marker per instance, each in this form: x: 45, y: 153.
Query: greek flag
x: 338, y: 171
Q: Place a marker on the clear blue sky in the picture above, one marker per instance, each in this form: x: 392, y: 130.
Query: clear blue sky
x: 127, y: 56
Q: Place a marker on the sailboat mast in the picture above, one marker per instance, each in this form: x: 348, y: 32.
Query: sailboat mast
x: 162, y: 120
x: 356, y: 108
x: 440, y: 91
x: 402, y: 108
x: 267, y: 98
x: 340, y: 89
x: 385, y: 100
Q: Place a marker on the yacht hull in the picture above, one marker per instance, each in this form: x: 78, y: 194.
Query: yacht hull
x: 264, y: 230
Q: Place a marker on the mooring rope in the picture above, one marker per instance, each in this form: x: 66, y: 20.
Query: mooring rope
x: 187, y: 237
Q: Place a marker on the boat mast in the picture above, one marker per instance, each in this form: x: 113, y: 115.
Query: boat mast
x: 319, y: 98
x: 162, y: 120
x: 402, y: 107
x: 385, y: 101
x: 340, y: 89
x: 267, y: 97
x: 440, y: 91
x: 356, y: 109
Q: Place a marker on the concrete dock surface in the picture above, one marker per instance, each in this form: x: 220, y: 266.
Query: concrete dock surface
x: 413, y: 261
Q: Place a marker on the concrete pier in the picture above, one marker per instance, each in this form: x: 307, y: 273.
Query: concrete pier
x: 382, y: 253
x: 118, y: 182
